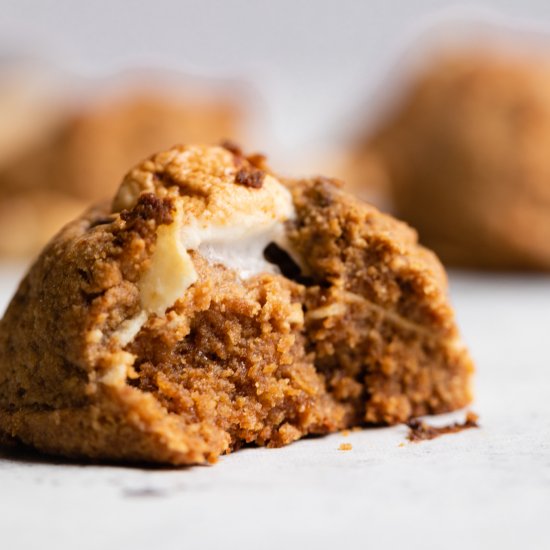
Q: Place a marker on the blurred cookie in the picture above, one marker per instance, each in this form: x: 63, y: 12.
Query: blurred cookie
x: 84, y: 155
x: 466, y: 154
x: 31, y: 216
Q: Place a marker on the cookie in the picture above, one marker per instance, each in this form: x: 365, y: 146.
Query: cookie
x: 86, y: 153
x: 213, y: 305
x: 465, y: 154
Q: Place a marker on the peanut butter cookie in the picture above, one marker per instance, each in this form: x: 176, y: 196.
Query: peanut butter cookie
x: 213, y: 305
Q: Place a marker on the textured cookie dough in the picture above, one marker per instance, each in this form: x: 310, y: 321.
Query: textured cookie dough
x: 147, y: 330
x: 85, y: 153
x: 466, y: 155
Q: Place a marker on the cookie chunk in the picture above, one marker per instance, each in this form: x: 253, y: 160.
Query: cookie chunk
x: 377, y: 315
x: 213, y: 305
x: 466, y: 158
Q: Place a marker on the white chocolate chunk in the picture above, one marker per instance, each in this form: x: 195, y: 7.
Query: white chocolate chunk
x: 128, y: 330
x: 170, y: 274
x: 330, y: 310
x: 242, y: 251
x: 225, y: 221
x: 118, y: 371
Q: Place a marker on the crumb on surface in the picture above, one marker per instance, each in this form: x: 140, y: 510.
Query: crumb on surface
x: 345, y: 447
x: 345, y: 433
x: 421, y: 431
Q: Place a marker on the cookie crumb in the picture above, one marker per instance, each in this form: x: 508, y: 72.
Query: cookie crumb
x: 420, y: 431
x: 345, y: 447
x: 345, y: 433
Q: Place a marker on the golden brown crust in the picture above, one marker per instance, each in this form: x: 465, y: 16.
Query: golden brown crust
x: 264, y: 359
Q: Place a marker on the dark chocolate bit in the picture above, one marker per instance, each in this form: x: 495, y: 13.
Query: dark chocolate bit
x: 144, y: 218
x: 420, y: 431
x: 274, y: 254
x: 250, y: 176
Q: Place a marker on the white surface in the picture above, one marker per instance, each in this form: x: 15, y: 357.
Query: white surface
x: 480, y: 489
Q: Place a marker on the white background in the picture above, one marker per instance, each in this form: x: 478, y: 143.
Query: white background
x: 313, y: 63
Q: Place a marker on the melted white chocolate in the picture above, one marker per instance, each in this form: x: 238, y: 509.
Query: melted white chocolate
x: 227, y: 223
x: 170, y: 273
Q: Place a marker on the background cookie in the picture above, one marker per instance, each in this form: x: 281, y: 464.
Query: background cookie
x: 86, y: 148
x: 466, y: 158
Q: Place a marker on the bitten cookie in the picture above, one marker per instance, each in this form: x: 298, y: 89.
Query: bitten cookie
x: 213, y: 305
